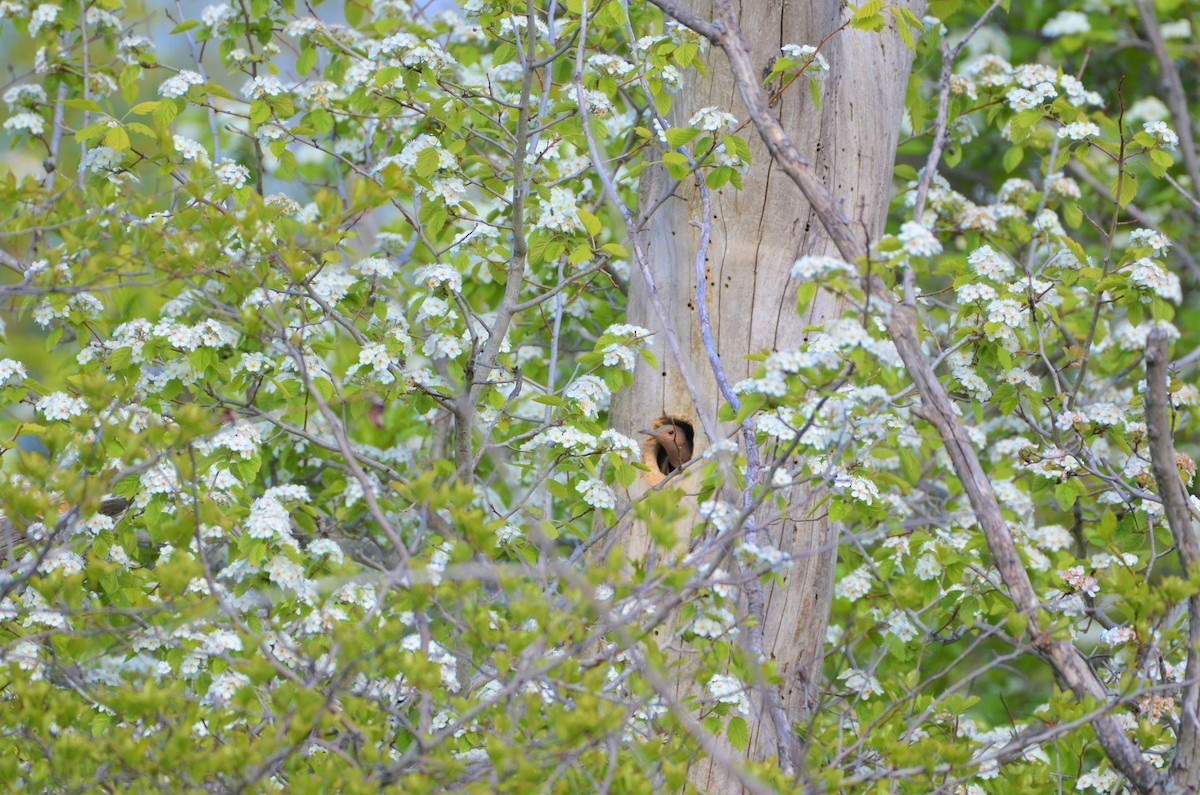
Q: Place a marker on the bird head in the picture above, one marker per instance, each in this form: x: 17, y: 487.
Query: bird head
x: 673, y: 444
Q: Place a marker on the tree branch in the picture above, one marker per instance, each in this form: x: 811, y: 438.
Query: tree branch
x: 940, y: 135
x: 1184, y: 774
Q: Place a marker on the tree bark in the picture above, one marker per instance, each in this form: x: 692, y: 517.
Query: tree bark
x: 757, y: 233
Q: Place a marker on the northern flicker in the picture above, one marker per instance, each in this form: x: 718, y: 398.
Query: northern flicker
x: 674, y: 444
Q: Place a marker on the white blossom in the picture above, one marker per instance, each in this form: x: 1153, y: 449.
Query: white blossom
x: 589, y: 393
x: 437, y: 275
x: 918, y: 240
x: 928, y: 566
x: 617, y: 355
x: 560, y: 212
x: 1150, y: 275
x: 29, y: 94
x: 189, y: 149
x: 1161, y: 133
x: 1066, y: 23
x: 814, y: 62
x: 1078, y: 130
x: 1152, y: 239
x: 1094, y: 779
x: 729, y: 690
x: 178, y: 84
x: 233, y: 174
x: 1077, y: 94
x: 262, y: 86
x: 812, y: 268
x: 223, y: 688
x: 61, y: 406
x: 44, y: 14
x: 861, y: 683
x: 854, y: 585
x: 1007, y: 312
x: 712, y: 119
x: 609, y: 65
x: 596, y: 493
x: 12, y: 372
x: 216, y: 16
x: 32, y: 123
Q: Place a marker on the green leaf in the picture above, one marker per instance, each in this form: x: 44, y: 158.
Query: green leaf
x: 736, y: 145
x: 751, y: 402
x: 1160, y: 161
x: 738, y: 732
x: 503, y: 53
x: 590, y: 222
x: 1016, y: 622
x: 321, y: 120
x: 142, y: 108
x: 306, y: 61
x: 1135, y: 313
x: 259, y: 112
x: 905, y: 34
x: 805, y: 292
x: 1124, y: 188
x: 283, y: 107
x: 1013, y: 158
x: 117, y: 138
x: 91, y: 131
x: 676, y: 164
x: 685, y: 54
x: 1073, y: 216
x: 165, y: 113
x: 580, y: 254
x: 867, y: 16
x: 216, y: 90
x: 185, y: 25
x: 427, y: 161
x: 681, y: 136
x: 83, y: 104
x: 100, y: 723
x: 287, y: 164
x: 387, y: 75
x: 662, y: 103
x: 1076, y: 249
x: 1065, y: 495
x: 120, y: 358
x: 944, y: 9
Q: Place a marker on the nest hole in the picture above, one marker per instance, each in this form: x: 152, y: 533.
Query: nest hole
x: 655, y: 455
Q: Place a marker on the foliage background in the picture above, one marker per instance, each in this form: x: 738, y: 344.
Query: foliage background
x: 359, y: 482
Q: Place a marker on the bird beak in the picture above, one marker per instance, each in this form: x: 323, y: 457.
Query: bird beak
x: 652, y: 433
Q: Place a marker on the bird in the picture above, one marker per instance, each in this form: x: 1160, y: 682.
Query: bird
x: 673, y: 444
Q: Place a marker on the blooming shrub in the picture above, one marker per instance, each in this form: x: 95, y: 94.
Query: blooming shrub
x: 313, y: 323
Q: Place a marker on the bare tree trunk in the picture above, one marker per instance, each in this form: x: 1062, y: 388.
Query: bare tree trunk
x: 757, y: 233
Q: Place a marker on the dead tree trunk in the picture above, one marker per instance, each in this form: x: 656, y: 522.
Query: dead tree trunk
x: 757, y: 233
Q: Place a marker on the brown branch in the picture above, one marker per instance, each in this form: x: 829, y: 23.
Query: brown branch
x: 940, y: 128
x: 1184, y: 774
